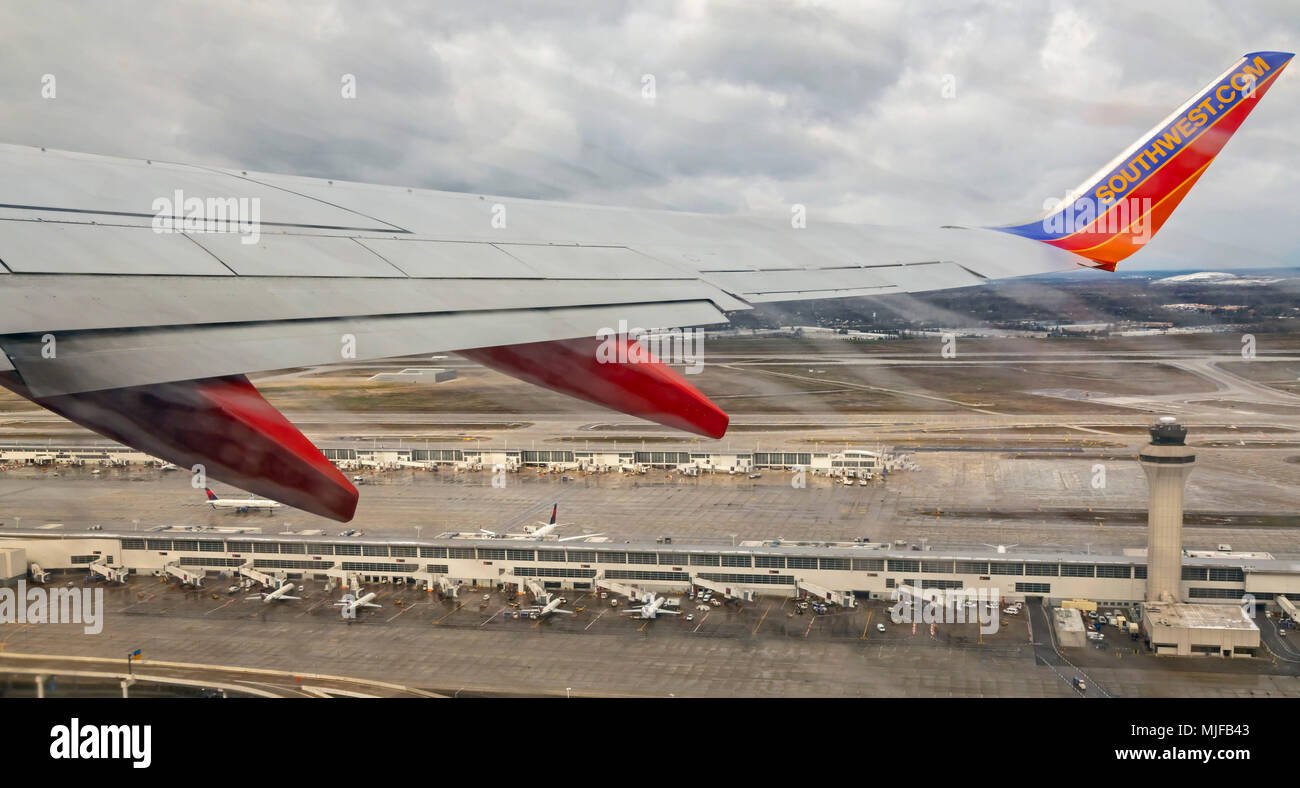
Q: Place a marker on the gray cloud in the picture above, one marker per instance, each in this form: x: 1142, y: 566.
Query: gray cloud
x: 758, y: 105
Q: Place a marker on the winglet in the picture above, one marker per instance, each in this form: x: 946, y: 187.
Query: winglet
x: 224, y: 425
x: 647, y: 388
x: 1116, y: 211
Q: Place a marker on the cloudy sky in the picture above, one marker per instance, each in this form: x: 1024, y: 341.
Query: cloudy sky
x: 757, y: 105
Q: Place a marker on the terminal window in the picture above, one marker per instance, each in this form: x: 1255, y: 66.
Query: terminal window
x: 1040, y: 570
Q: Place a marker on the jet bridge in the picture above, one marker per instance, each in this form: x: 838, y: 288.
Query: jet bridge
x: 429, y: 581
x: 188, y: 577
x: 618, y: 588
x: 257, y: 576
x: 727, y: 591
x: 1287, y: 606
x: 448, y: 586
x: 841, y: 598
x: 107, y: 572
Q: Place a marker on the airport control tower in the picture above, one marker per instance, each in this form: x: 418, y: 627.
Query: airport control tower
x: 1167, y: 461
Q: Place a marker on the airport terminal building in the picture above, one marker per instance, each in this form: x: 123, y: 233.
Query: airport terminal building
x: 842, y: 462
x: 840, y: 572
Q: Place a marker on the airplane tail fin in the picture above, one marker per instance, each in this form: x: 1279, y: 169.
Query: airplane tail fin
x: 1115, y: 212
x: 211, y: 495
x: 555, y: 507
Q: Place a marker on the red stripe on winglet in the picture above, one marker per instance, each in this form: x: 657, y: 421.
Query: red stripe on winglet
x: 649, y: 389
x: 223, y: 424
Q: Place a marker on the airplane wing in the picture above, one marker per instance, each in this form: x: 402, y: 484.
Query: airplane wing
x: 562, y: 610
x: 136, y: 294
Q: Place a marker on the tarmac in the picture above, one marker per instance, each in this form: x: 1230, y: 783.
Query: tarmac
x: 467, y: 646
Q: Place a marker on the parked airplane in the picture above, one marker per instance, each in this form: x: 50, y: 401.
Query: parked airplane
x: 279, y: 594
x: 241, y: 505
x: 652, y: 606
x: 540, y: 531
x: 397, y: 271
x: 351, y: 604
x: 546, y: 610
x: 543, y: 529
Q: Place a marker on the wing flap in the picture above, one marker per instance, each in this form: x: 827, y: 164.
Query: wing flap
x: 57, y: 185
x: 277, y: 254
x: 62, y: 248
x: 793, y: 285
x: 94, y: 360
x: 30, y: 304
x: 449, y: 259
